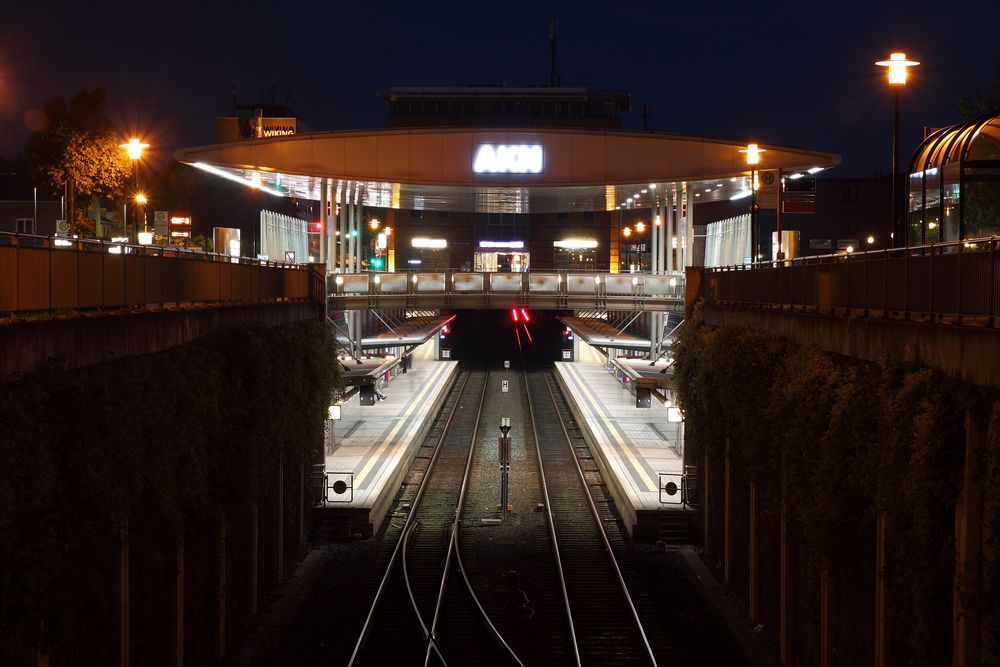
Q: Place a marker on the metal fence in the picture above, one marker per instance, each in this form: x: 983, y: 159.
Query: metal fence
x: 956, y: 281
x: 42, y: 275
x: 564, y: 283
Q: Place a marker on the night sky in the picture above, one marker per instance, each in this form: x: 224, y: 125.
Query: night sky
x: 798, y: 74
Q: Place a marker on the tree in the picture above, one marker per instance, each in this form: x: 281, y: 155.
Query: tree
x: 982, y: 103
x: 78, y: 151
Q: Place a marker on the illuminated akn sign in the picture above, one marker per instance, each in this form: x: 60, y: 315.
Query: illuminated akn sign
x: 508, y: 159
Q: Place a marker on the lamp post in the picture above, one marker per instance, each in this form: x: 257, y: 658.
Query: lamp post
x: 134, y: 147
x: 896, y: 67
x: 753, y: 152
x: 140, y: 200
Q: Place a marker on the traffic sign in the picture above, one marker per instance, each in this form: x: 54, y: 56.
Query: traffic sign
x: 506, y: 364
x: 504, y: 386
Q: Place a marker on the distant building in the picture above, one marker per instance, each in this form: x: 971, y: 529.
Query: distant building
x: 20, y: 217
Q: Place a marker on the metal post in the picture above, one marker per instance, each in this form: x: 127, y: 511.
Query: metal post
x: 899, y: 237
x: 503, y: 451
x: 672, y: 201
x: 781, y: 247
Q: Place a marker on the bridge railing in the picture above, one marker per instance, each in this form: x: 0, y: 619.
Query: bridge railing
x: 535, y: 283
x: 957, y: 281
x: 43, y: 275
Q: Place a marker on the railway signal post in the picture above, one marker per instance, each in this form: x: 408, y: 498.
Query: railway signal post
x: 503, y: 454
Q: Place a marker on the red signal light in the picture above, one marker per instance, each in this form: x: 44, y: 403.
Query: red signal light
x: 525, y: 314
x: 317, y: 226
x: 445, y: 330
x: 513, y: 312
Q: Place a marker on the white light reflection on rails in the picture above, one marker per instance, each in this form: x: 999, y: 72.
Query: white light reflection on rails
x: 503, y: 159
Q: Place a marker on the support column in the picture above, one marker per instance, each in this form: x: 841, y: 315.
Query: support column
x: 671, y: 202
x: 706, y: 512
x: 685, y: 210
x: 323, y: 198
x: 220, y: 599
x: 785, y: 600
x: 727, y: 545
x: 825, y: 619
x: 881, y: 622
x: 179, y: 620
x: 124, y: 614
x: 752, y: 553
x: 342, y: 245
x: 654, y: 231
x: 969, y: 536
x: 660, y: 254
x: 253, y: 558
x: 281, y: 514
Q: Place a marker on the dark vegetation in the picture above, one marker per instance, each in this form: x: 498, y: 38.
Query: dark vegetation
x: 182, y: 444
x: 845, y: 440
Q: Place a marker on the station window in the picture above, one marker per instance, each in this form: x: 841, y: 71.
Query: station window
x: 442, y: 108
x: 562, y: 218
x: 25, y: 226
x: 589, y: 218
x: 442, y: 217
x: 416, y: 216
x: 849, y: 194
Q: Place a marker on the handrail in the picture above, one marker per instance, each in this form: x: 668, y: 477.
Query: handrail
x: 957, y: 280
x: 58, y: 276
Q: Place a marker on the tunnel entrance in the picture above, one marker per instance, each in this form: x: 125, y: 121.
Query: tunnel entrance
x: 492, y: 336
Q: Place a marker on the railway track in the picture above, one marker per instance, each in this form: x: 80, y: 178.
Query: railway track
x: 544, y: 587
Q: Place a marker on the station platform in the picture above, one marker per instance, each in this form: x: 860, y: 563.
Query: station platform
x: 639, y: 452
x: 370, y: 449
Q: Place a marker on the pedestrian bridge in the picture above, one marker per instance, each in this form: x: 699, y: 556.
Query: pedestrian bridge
x: 555, y: 290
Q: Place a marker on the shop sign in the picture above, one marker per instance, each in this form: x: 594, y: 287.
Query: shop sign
x: 508, y: 159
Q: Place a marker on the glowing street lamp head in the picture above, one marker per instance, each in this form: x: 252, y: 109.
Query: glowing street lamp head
x: 134, y: 148
x: 140, y: 198
x: 897, y: 65
x: 374, y: 223
x: 753, y: 152
x: 627, y: 232
x: 640, y: 227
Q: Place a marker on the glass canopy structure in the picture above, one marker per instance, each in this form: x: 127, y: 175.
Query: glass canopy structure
x: 954, y: 184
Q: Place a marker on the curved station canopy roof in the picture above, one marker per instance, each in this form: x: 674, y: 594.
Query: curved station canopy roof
x: 495, y: 170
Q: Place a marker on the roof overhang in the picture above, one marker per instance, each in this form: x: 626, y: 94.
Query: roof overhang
x: 432, y: 168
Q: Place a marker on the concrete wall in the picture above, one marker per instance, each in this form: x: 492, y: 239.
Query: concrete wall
x: 969, y: 353
x: 82, y: 341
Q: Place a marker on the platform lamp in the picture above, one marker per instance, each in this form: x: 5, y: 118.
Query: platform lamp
x: 896, y: 67
x: 753, y: 152
x: 134, y: 148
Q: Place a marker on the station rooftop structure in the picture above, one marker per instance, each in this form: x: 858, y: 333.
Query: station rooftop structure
x: 496, y: 164
x: 954, y: 193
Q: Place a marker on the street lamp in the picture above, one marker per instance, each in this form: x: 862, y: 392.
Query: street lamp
x: 134, y: 148
x: 896, y: 67
x: 753, y: 152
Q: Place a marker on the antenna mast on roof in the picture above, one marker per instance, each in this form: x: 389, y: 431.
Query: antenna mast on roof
x: 554, y: 44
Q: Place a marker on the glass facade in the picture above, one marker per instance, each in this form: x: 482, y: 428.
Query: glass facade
x: 953, y: 188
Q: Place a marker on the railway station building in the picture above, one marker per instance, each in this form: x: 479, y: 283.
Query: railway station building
x: 496, y: 178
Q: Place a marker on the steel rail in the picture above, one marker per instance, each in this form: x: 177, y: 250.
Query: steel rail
x: 549, y: 515
x: 453, y: 546
x: 407, y: 526
x: 597, y: 518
